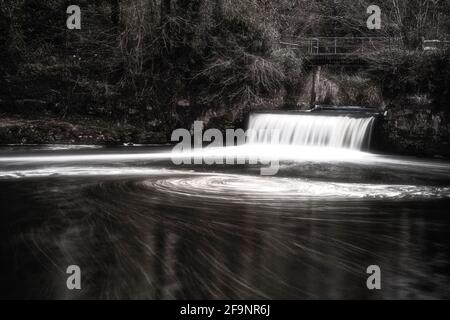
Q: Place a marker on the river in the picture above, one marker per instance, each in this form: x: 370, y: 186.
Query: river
x: 140, y: 227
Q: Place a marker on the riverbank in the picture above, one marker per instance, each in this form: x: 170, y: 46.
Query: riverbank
x: 74, y: 130
x: 414, y: 130
x: 417, y: 131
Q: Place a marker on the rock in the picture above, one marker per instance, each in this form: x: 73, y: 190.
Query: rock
x: 183, y: 103
x: 47, y: 131
x: 415, y: 131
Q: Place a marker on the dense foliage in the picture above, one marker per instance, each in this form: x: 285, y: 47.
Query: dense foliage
x: 138, y: 60
x: 419, y: 74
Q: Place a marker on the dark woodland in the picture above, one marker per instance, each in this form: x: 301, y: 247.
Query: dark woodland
x: 138, y: 69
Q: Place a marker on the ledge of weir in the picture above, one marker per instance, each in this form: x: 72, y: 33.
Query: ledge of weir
x: 331, y: 111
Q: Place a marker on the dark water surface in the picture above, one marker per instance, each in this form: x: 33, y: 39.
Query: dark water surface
x: 149, y: 229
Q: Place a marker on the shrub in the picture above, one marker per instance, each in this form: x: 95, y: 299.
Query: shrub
x: 405, y: 73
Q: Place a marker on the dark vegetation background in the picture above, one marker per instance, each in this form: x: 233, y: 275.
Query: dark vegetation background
x: 138, y: 69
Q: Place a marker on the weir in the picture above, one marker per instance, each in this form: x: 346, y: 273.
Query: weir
x: 312, y: 130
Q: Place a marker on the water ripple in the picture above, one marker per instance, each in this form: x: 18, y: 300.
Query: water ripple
x: 255, y: 188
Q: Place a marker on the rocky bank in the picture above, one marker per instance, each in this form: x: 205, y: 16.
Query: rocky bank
x: 48, y: 130
x: 414, y: 130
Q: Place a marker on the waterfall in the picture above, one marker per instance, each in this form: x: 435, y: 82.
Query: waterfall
x: 342, y: 132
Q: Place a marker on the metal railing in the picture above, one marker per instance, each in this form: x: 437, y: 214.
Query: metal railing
x: 428, y: 45
x: 339, y: 46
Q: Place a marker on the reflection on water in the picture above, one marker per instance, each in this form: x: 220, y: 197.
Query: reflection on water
x: 143, y: 228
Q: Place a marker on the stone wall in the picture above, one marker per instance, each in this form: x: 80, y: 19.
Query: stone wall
x: 421, y: 131
x: 325, y: 86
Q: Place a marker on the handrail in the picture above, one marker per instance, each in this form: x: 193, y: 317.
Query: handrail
x: 341, y: 46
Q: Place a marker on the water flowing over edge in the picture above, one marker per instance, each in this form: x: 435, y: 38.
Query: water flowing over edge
x: 338, y: 132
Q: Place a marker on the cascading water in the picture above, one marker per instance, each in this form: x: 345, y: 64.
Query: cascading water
x: 340, y: 132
